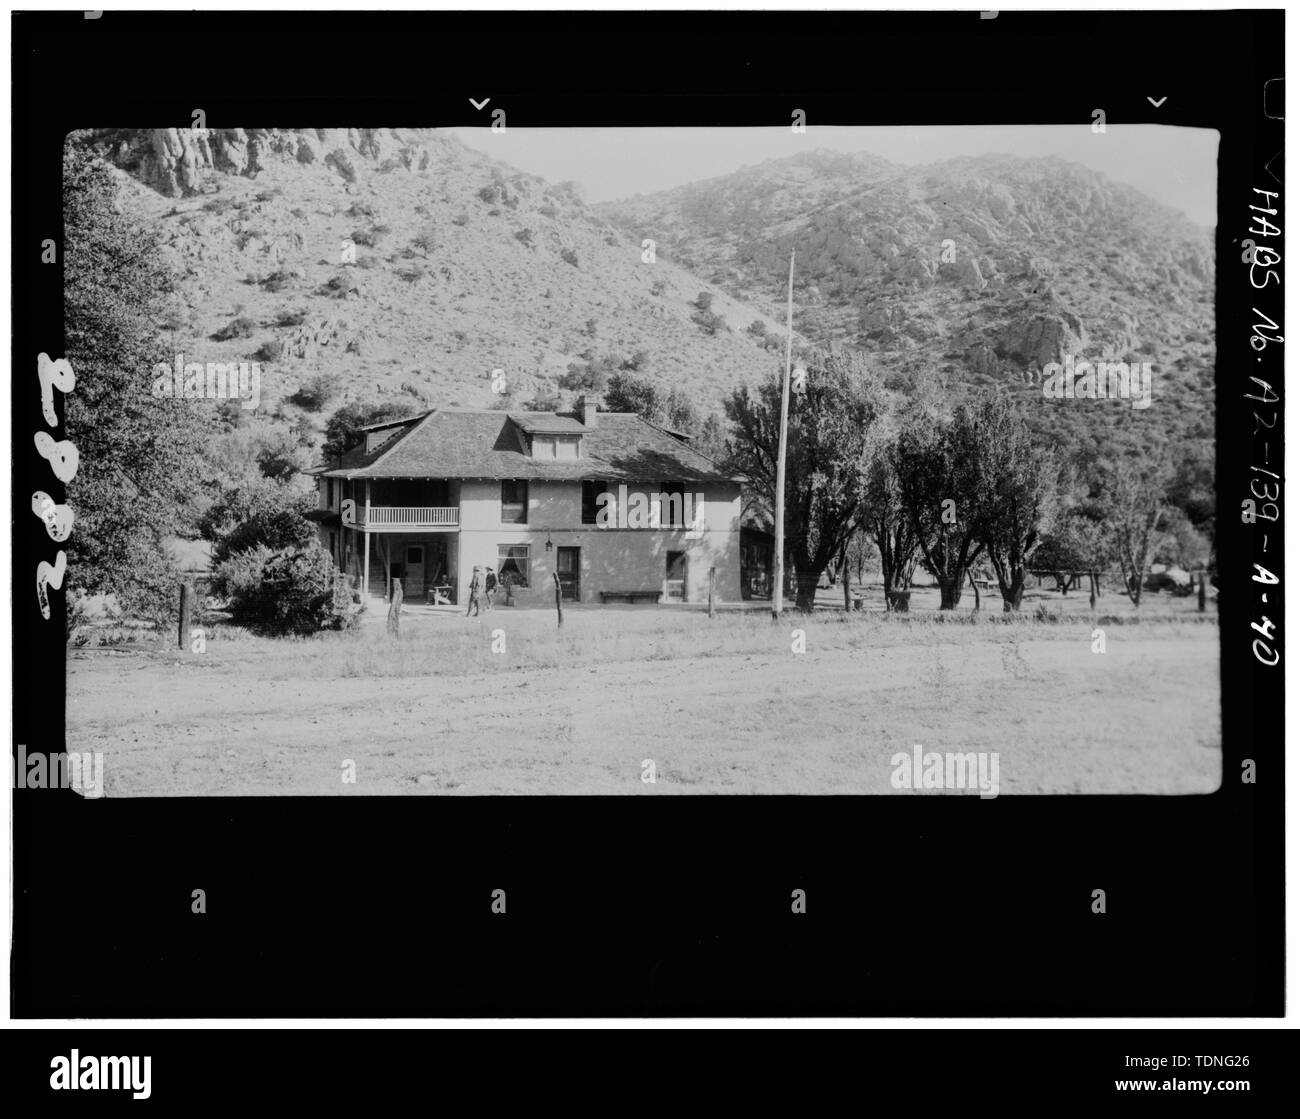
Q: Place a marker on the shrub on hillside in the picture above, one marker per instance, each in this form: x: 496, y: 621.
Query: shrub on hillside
x: 319, y: 391
x: 270, y: 351
x: 341, y: 286
x: 544, y: 400
x: 241, y: 327
x: 426, y: 241
x: 708, y: 322
x: 569, y: 257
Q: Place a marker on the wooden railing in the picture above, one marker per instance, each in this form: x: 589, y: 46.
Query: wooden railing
x: 412, y: 516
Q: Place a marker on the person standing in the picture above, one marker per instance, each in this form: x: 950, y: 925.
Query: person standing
x: 489, y: 586
x: 475, y: 585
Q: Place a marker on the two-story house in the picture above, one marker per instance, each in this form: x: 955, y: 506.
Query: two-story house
x: 607, y: 501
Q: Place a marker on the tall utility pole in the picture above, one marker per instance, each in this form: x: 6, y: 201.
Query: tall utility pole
x: 778, y: 560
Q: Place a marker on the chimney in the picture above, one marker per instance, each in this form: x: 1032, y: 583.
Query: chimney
x: 587, y: 405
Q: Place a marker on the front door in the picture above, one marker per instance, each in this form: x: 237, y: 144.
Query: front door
x: 413, y: 583
x: 568, y: 567
x: 675, y: 583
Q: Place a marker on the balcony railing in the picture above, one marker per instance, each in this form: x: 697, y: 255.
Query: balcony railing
x: 410, y: 516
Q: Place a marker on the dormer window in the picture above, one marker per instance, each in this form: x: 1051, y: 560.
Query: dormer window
x: 562, y: 448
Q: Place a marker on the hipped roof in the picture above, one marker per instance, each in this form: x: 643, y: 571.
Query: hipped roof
x: 462, y: 443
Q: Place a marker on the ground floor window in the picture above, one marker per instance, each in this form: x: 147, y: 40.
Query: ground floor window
x: 512, y: 564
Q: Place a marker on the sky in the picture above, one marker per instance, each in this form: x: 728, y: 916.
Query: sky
x: 1176, y: 166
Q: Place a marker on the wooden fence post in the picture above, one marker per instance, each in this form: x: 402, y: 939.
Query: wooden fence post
x: 395, y: 609
x: 559, y: 609
x: 713, y: 578
x: 186, y: 611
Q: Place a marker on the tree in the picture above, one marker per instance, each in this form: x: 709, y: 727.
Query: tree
x: 627, y: 393
x: 1017, y: 486
x: 263, y: 513
x: 343, y: 428
x: 938, y: 483
x: 831, y: 428
x: 889, y: 525
x: 281, y: 457
x: 1136, y: 504
x: 670, y: 408
x: 140, y: 453
x: 711, y: 438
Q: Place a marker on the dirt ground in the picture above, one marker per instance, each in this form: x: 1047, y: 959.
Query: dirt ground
x: 1142, y: 718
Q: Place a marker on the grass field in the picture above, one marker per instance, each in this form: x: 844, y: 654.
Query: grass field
x: 508, y: 704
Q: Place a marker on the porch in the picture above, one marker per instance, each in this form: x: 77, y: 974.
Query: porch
x: 426, y: 562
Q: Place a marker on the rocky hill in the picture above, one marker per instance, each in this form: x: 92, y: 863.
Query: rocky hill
x: 373, y: 264
x: 393, y: 264
x: 967, y: 272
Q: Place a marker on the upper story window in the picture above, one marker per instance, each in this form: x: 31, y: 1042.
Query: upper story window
x: 591, y: 492
x: 514, y: 502
x: 674, y: 507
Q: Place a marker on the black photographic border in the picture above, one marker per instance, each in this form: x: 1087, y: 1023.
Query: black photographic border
x: 379, y: 906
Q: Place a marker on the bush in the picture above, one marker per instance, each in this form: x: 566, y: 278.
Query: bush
x: 569, y: 257
x: 270, y: 351
x: 757, y: 329
x: 341, y: 286
x: 704, y: 301
x: 291, y: 591
x: 659, y: 286
x: 241, y: 327
x: 709, y: 322
x: 264, y: 512
x: 238, y: 579
x: 316, y: 393
x: 525, y: 237
x: 426, y: 241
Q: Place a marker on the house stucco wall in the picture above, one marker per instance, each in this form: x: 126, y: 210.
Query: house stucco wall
x: 611, y: 559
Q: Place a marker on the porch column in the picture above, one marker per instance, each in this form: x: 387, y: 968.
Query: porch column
x: 365, y: 535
